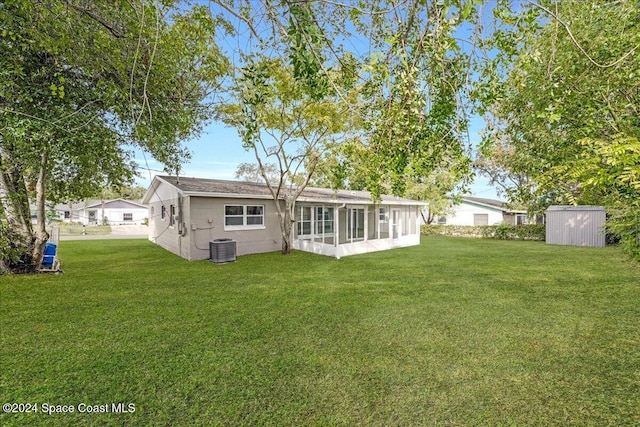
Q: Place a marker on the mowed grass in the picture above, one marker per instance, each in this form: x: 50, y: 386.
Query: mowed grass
x: 453, y: 332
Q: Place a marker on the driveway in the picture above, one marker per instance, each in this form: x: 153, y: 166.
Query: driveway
x: 117, y: 232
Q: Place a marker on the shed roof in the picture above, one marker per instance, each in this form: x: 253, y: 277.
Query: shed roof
x: 221, y: 188
x: 575, y: 208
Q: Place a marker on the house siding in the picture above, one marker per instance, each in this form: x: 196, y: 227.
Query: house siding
x: 207, y: 224
x: 160, y: 230
x: 464, y: 214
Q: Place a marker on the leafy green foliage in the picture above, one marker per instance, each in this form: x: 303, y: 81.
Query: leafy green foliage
x: 566, y: 113
x: 83, y: 82
x: 398, y: 70
x: 413, y: 104
x: 306, y: 41
x: 500, y: 232
x: 270, y: 106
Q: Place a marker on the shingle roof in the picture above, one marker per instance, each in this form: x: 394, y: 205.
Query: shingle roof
x: 117, y: 204
x: 211, y: 187
x: 492, y: 203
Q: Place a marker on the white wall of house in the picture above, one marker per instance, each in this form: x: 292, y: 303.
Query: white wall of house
x: 165, y: 229
x: 119, y: 216
x: 471, y: 214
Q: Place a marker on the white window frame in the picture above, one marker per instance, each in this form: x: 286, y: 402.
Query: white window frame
x: 300, y: 221
x: 317, y: 220
x: 320, y: 220
x: 244, y: 216
x: 383, y: 214
x: 356, y: 216
x: 124, y: 216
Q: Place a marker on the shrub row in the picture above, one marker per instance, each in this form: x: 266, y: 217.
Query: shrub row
x: 502, y: 231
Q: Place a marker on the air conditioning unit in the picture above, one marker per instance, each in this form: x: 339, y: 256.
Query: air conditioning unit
x: 222, y: 250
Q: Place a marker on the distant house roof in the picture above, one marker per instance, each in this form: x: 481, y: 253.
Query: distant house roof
x: 221, y: 188
x: 117, y: 204
x: 492, y: 203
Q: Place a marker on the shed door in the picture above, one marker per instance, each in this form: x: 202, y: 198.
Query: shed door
x: 480, y: 219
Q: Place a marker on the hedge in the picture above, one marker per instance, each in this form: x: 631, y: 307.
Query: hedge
x: 502, y: 231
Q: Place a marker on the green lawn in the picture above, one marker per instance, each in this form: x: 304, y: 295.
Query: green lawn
x: 453, y: 332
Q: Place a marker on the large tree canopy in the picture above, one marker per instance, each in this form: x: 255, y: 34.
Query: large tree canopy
x: 391, y: 78
x: 80, y: 81
x: 567, y: 115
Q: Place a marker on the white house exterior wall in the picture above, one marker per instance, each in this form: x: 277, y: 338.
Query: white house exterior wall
x: 160, y: 230
x: 115, y: 216
x: 463, y: 214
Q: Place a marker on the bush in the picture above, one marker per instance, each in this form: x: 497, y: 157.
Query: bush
x: 502, y: 231
x: 623, y: 225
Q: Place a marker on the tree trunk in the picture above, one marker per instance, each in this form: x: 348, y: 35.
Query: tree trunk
x: 286, y: 223
x: 15, y: 206
x: 41, y: 235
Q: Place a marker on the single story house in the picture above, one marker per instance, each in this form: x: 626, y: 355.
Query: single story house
x: 114, y: 212
x: 186, y: 214
x: 481, y: 211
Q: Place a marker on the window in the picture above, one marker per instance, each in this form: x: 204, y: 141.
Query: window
x: 163, y: 212
x: 315, y: 223
x: 521, y: 219
x: 442, y: 220
x: 255, y: 215
x: 324, y: 220
x: 127, y: 217
x: 67, y: 214
x: 382, y: 214
x: 172, y: 215
x: 303, y: 217
x: 480, y: 219
x: 238, y: 217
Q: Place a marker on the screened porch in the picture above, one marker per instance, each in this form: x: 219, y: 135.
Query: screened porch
x: 341, y: 230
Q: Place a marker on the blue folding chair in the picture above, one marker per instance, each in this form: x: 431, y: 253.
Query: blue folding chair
x: 50, y: 263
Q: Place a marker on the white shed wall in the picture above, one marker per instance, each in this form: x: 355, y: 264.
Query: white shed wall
x: 575, y: 226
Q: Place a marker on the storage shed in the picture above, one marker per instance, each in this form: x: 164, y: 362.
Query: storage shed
x: 575, y: 225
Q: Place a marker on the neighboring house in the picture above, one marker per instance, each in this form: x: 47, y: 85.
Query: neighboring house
x: 480, y: 211
x: 68, y: 212
x: 186, y: 214
x: 113, y: 212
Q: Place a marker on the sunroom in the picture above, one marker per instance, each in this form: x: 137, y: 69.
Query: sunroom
x: 339, y: 230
